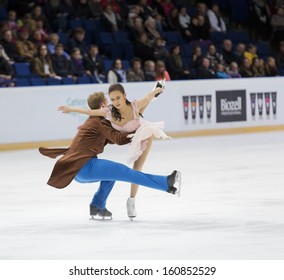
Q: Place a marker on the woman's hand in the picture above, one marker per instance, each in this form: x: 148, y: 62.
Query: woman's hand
x: 64, y: 109
x: 157, y: 91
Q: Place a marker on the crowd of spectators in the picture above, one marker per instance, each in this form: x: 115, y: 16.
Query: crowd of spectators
x: 65, y: 40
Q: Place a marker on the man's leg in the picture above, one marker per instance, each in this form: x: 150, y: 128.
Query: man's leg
x: 105, y: 170
x: 100, y: 197
x: 98, y: 204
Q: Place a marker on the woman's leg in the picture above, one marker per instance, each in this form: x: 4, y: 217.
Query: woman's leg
x: 138, y: 165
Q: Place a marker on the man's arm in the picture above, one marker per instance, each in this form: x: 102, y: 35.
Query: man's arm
x: 112, y: 135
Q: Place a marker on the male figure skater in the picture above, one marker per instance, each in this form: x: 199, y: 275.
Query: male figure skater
x: 80, y: 162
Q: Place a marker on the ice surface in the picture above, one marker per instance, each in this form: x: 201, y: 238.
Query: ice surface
x: 231, y: 206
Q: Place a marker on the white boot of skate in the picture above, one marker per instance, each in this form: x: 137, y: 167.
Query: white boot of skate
x: 130, y: 206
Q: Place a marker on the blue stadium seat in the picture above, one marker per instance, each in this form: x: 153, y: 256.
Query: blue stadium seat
x: 218, y: 37
x: 107, y: 64
x: 83, y: 80
x: 125, y: 64
x: 37, y: 82
x: 120, y: 37
x: 75, y: 23
x: 63, y: 38
x: 22, y: 69
x: 3, y: 13
x: 173, y: 37
x: 106, y: 38
x: 22, y: 82
x: 263, y: 50
x: 90, y: 24
x: 68, y: 81
x: 53, y: 82
x: 238, y: 36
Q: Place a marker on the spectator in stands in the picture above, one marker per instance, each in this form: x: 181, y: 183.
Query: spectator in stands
x: 161, y: 72
x: 156, y: 5
x: 240, y: 53
x: 10, y: 47
x: 146, y: 10
x: 136, y: 29
x: 133, y: 12
x: 116, y: 74
x: 271, y: 67
x: 277, y: 24
x: 37, y: 14
x: 149, y: 70
x: 167, y: 6
x: 143, y: 48
x: 41, y: 64
x: 173, y: 20
x: 28, y: 22
x: 184, y: 22
x: 135, y: 72
x: 4, y: 54
x: 234, y: 70
x: 227, y: 52
x: 257, y: 67
x: 77, y: 41
x: 37, y: 39
x: 53, y: 41
x: 251, y: 52
x: 202, y: 11
x: 204, y: 71
x: 82, y: 9
x: 245, y: 69
x: 214, y: 56
x: 77, y: 68
x: 220, y: 72
x: 118, y: 6
x: 150, y: 28
x: 198, y: 28
x: 60, y: 63
x: 260, y: 19
x: 160, y: 50
x: 196, y: 57
x: 177, y: 69
x: 6, y: 71
x: 12, y: 22
x: 110, y: 20
x: 93, y: 62
x: 95, y: 8
x: 280, y: 57
x: 217, y: 23
x: 25, y: 48
x: 57, y: 15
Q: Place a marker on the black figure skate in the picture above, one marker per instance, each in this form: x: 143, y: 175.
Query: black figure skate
x: 174, y: 183
x: 99, y: 214
x: 159, y: 84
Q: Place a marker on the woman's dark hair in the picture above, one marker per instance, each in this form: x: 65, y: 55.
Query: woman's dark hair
x: 114, y: 112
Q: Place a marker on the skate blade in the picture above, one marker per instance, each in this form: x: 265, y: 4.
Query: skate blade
x: 178, y: 183
x: 131, y: 218
x: 100, y: 218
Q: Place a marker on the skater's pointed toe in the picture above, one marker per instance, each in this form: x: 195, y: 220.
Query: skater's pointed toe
x: 174, y: 182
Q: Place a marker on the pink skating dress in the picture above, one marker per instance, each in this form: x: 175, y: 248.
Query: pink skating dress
x: 141, y: 129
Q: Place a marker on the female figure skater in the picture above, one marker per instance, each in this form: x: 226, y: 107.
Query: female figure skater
x: 125, y: 116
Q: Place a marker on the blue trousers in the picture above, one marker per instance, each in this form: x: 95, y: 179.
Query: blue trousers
x: 107, y: 172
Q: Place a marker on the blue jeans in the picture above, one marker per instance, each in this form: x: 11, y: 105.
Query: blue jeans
x: 107, y: 172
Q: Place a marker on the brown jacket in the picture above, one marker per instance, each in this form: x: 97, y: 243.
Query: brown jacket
x: 90, y: 140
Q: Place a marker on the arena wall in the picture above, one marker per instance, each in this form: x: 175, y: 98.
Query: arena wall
x: 29, y: 116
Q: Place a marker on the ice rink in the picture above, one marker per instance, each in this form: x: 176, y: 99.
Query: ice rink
x: 231, y: 206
